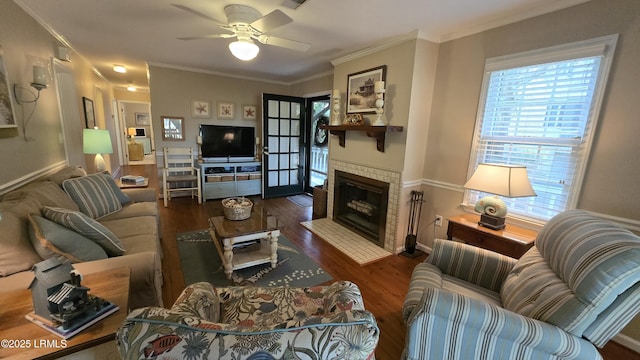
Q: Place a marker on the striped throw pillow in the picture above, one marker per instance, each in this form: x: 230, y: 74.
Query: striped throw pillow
x: 96, y: 195
x: 86, y: 226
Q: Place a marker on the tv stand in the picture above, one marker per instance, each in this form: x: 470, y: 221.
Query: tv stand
x: 227, y: 179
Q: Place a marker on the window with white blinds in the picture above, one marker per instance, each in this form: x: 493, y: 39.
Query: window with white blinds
x: 539, y: 109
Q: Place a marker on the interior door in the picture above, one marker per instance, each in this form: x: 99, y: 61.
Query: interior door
x: 283, y: 162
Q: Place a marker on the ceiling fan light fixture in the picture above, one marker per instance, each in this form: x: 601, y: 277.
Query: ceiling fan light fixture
x: 244, y: 49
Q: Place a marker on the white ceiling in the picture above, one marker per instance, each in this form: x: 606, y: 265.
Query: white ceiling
x: 135, y: 33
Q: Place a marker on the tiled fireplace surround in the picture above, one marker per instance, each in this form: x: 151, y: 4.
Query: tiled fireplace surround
x: 393, y: 178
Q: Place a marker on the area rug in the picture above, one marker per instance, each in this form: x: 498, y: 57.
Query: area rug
x: 200, y: 262
x: 351, y: 244
x: 302, y: 200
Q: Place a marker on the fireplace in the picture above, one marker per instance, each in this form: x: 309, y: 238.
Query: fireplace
x: 360, y: 203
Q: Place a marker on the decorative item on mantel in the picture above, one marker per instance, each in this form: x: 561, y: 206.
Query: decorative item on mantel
x: 335, y: 116
x: 379, y: 90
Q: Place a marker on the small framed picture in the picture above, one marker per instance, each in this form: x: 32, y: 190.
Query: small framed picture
x: 89, y: 115
x: 249, y: 112
x: 361, y: 97
x: 200, y: 108
x: 142, y: 119
x: 226, y: 110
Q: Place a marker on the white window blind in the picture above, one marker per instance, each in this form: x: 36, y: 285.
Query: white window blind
x: 541, y: 115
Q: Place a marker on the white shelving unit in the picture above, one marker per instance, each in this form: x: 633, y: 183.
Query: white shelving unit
x: 223, y: 180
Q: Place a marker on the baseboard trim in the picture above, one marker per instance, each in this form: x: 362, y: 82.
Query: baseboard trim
x: 627, y: 342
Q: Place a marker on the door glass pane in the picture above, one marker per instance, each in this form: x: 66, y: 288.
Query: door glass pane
x: 273, y: 178
x: 273, y: 144
x: 273, y: 126
x: 284, y: 145
x: 295, y: 160
x: 293, y: 178
x: 295, y: 145
x: 284, y: 161
x: 273, y: 161
x: 284, y: 109
x: 284, y: 177
x: 295, y: 111
x: 284, y: 127
x: 273, y: 108
x: 295, y: 127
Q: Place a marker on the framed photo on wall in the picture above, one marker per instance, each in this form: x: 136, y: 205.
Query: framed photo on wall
x: 226, y: 110
x: 89, y: 114
x: 201, y: 108
x: 6, y: 109
x: 142, y: 119
x: 361, y: 97
x: 249, y: 112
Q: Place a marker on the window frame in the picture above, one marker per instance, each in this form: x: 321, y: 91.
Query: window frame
x: 601, y: 46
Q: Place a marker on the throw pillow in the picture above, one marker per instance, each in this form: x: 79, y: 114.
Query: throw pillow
x: 50, y: 239
x: 16, y: 253
x: 86, y: 226
x: 96, y: 195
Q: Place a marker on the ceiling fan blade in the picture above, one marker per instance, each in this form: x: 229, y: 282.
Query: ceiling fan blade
x: 272, y: 20
x: 195, y: 12
x: 289, y: 44
x: 212, y: 36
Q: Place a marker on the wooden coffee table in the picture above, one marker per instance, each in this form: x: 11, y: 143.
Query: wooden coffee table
x: 28, y: 341
x: 245, y: 243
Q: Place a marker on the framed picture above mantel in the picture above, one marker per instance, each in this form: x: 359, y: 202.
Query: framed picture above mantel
x: 361, y: 97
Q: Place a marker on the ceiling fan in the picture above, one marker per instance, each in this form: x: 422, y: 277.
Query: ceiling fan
x: 247, y: 24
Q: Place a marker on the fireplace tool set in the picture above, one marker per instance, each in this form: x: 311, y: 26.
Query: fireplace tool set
x: 415, y: 209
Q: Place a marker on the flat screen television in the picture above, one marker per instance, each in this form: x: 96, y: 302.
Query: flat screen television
x: 220, y: 141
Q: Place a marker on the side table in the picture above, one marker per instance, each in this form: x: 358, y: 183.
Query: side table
x: 29, y: 341
x: 512, y: 241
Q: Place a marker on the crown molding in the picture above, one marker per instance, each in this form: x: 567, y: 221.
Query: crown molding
x: 509, y: 18
x: 375, y: 48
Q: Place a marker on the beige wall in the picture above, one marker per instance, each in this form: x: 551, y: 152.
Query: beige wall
x: 610, y: 184
x: 22, y: 37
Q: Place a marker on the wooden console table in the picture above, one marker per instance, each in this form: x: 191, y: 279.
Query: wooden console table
x: 513, y: 241
x: 377, y: 132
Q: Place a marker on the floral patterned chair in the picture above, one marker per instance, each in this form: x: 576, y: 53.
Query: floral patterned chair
x: 255, y: 323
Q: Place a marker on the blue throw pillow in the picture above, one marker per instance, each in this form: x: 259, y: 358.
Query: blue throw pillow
x: 86, y: 226
x: 96, y: 195
x: 50, y: 239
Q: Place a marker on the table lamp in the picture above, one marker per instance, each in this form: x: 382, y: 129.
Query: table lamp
x: 98, y: 142
x: 498, y: 179
x: 132, y: 135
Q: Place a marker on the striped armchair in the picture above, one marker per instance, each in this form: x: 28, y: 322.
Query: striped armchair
x: 572, y: 292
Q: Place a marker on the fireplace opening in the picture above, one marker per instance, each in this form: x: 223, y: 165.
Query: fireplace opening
x: 360, y: 203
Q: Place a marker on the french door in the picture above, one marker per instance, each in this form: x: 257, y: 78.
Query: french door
x: 283, y: 149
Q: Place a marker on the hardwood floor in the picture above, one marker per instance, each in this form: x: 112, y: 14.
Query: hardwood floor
x: 383, y: 283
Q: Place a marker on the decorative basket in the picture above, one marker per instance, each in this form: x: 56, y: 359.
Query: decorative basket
x: 237, y: 208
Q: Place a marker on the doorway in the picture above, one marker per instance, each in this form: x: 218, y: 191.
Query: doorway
x: 138, y: 143
x: 317, y: 143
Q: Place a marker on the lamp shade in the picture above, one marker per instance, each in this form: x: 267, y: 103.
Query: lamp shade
x: 96, y: 141
x: 244, y: 49
x: 131, y: 131
x: 504, y: 180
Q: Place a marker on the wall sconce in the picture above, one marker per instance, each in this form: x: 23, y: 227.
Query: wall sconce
x: 40, y: 82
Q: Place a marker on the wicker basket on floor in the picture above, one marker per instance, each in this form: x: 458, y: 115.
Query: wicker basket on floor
x: 237, y: 208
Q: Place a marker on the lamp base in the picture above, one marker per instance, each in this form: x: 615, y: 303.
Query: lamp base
x: 492, y: 222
